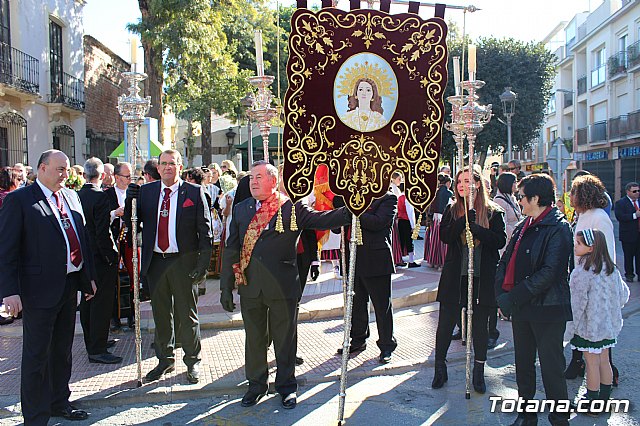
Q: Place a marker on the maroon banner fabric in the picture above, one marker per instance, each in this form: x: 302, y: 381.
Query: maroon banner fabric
x: 365, y: 98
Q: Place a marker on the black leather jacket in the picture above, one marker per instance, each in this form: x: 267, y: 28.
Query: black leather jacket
x: 541, y: 291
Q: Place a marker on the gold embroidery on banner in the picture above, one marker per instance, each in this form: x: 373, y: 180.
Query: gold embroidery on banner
x: 360, y: 165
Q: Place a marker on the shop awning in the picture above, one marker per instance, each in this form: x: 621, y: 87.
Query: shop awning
x: 257, y: 143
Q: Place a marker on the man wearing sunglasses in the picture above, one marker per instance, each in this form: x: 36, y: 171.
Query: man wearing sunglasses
x: 515, y: 167
x: 628, y: 214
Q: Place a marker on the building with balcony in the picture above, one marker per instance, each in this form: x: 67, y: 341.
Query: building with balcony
x: 597, y: 93
x: 41, y: 80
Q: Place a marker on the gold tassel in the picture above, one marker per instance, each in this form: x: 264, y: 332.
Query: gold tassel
x: 294, y: 223
x: 358, y: 232
x: 416, y: 230
x: 279, y: 226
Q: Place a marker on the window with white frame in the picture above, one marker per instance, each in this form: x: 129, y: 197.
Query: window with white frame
x: 598, y: 74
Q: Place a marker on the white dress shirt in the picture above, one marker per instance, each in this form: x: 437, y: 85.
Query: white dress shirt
x: 121, y: 194
x: 173, y: 211
x: 52, y: 203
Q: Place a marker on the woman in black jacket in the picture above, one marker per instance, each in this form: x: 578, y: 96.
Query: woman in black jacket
x: 487, y: 226
x: 532, y: 287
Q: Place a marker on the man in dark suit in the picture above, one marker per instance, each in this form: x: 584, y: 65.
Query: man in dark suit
x: 95, y: 313
x: 374, y: 266
x: 116, y: 195
x: 45, y: 259
x: 628, y: 214
x: 262, y: 262
x: 176, y: 249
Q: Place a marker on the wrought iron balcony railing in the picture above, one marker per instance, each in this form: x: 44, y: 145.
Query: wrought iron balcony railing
x: 67, y: 90
x: 19, y: 70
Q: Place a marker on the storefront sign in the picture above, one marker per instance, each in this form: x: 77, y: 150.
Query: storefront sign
x: 629, y: 151
x: 596, y: 155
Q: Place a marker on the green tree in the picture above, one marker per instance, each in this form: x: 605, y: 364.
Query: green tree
x: 528, y: 68
x: 199, y: 74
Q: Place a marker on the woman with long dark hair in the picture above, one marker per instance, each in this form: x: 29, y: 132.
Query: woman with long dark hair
x: 487, y: 226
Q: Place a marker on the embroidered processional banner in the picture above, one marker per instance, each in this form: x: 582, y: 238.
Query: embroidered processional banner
x: 365, y: 98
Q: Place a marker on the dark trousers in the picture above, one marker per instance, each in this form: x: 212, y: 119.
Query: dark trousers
x: 631, y: 252
x: 493, y: 323
x: 46, y: 355
x: 95, y: 313
x: 448, y: 316
x: 279, y: 316
x: 378, y: 289
x: 174, y: 300
x: 545, y: 338
x: 304, y: 264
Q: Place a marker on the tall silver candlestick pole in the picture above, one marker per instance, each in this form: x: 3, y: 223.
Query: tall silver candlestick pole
x: 468, y: 118
x: 261, y: 110
x: 133, y: 109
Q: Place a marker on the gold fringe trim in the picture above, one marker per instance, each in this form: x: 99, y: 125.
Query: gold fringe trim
x: 416, y: 230
x: 279, y: 226
x: 358, y: 232
x: 294, y: 222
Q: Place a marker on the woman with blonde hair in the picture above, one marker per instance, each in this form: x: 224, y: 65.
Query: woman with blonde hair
x: 486, y: 222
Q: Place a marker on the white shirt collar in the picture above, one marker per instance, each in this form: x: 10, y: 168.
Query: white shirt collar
x: 47, y: 192
x: 173, y: 187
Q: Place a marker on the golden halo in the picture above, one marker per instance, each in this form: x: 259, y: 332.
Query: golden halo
x: 351, y: 75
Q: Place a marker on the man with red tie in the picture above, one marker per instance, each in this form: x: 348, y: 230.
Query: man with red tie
x: 628, y: 214
x: 176, y: 249
x: 45, y: 260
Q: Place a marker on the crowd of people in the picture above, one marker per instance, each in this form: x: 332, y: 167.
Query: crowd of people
x: 544, y: 263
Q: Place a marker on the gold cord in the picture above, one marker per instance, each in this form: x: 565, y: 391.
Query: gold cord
x: 294, y: 224
x: 416, y: 229
x: 358, y: 232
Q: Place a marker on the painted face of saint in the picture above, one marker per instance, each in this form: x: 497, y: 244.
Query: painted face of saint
x: 364, y: 93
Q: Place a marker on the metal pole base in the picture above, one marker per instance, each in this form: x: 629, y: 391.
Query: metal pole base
x: 467, y: 395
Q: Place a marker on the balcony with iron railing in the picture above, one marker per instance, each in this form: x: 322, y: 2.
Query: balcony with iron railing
x: 69, y: 92
x: 19, y: 70
x: 582, y: 85
x: 633, y: 54
x: 617, y: 64
x: 581, y: 136
x: 598, y: 132
x: 633, y: 123
x: 567, y: 99
x: 618, y: 127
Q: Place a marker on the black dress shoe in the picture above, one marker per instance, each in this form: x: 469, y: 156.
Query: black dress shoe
x: 629, y: 278
x: 354, y: 349
x: 70, y: 413
x: 413, y: 265
x: 385, y: 357
x: 111, y: 343
x: 492, y: 343
x: 202, y: 291
x: 457, y: 335
x: 6, y: 320
x: 105, y: 358
x: 576, y: 367
x: 251, y: 398
x: 193, y: 374
x: 440, y: 377
x: 158, y: 371
x: 289, y: 401
x: 299, y: 360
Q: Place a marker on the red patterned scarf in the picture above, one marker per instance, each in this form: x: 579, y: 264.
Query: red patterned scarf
x: 268, y: 208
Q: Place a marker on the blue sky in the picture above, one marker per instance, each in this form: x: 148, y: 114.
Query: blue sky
x: 106, y: 20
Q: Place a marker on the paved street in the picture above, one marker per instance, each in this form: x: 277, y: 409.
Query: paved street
x: 398, y: 393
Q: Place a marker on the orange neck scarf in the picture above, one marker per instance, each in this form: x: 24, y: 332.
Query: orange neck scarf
x: 268, y: 208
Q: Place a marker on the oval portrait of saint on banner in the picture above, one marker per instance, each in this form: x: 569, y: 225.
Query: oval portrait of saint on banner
x: 365, y: 92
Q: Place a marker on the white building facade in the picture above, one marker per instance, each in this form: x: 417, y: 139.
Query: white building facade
x: 41, y: 80
x: 597, y: 93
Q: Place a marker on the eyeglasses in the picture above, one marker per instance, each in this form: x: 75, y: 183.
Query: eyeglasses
x: 512, y: 168
x: 635, y: 191
x: 166, y: 164
x: 125, y: 176
x: 223, y: 167
x: 519, y: 196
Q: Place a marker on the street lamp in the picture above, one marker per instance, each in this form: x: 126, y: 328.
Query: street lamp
x: 247, y: 102
x: 508, y: 99
x: 231, y: 136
